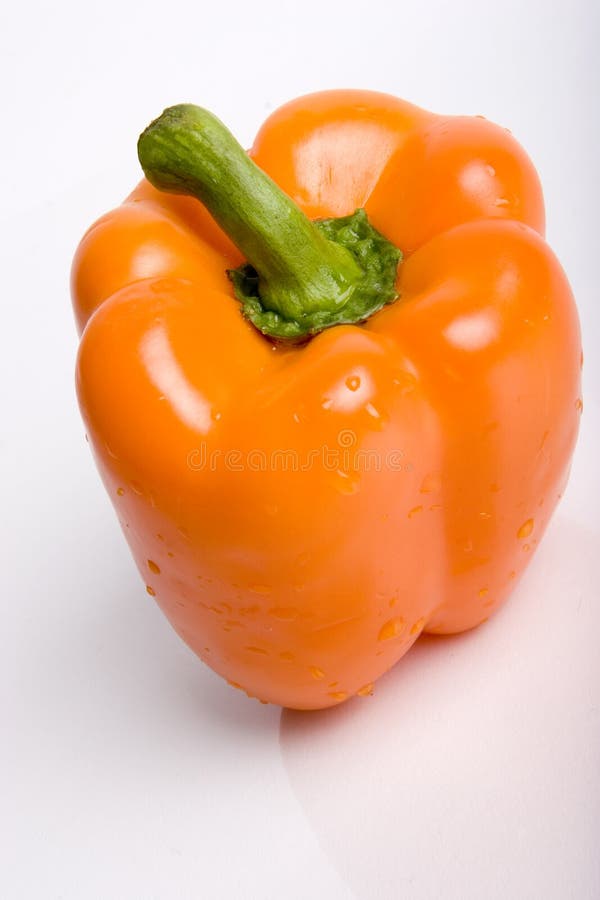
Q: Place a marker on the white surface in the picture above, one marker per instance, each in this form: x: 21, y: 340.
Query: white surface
x: 128, y: 770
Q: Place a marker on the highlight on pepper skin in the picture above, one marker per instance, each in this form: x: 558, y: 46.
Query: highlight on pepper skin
x: 331, y: 413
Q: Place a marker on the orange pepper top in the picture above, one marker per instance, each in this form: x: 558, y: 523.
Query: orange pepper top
x: 302, y: 512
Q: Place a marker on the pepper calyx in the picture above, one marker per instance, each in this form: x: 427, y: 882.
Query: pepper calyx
x: 377, y: 258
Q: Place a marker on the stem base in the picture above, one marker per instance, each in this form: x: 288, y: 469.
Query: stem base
x: 377, y: 260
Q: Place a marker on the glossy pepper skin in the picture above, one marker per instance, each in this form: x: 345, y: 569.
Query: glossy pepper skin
x: 304, y: 581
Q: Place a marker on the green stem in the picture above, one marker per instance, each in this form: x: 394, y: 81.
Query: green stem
x: 302, y: 276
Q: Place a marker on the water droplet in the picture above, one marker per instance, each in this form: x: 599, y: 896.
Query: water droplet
x: 259, y: 588
x: 418, y: 626
x: 110, y: 451
x: 284, y: 613
x: 136, y: 488
x: 347, y: 483
x: 525, y: 529
x: 353, y: 383
x: 484, y: 592
x: 316, y: 672
x: 235, y: 684
x: 249, y: 610
x: 393, y: 628
x: 485, y: 515
x: 286, y: 656
x: 169, y: 553
x: 296, y: 417
x: 502, y: 201
x: 327, y: 403
x: 216, y: 416
x: 338, y: 695
x: 579, y: 405
x: 526, y: 547
x: 366, y: 690
x: 153, y: 567
x: 372, y: 411
x: 260, y: 650
x: 435, y: 507
x: 120, y: 491
x: 406, y: 382
x: 150, y: 590
x: 414, y: 511
x: 160, y: 537
x: 430, y: 484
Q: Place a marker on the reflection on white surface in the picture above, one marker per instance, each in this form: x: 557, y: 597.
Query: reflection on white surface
x: 167, y: 376
x: 467, y: 773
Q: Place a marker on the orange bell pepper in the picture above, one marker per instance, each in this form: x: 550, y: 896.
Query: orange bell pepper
x: 383, y: 459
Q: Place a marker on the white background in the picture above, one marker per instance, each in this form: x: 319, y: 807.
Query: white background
x: 128, y: 770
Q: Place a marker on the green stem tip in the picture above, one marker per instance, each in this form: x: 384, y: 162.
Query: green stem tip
x: 301, y: 276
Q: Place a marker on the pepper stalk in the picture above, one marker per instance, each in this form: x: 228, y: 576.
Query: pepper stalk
x: 301, y: 276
